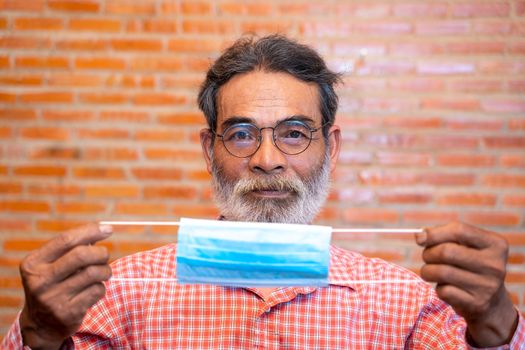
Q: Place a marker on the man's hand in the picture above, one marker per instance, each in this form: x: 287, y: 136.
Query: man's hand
x: 469, y: 266
x: 62, y: 280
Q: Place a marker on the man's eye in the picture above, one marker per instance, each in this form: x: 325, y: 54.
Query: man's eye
x: 240, y: 135
x: 295, y: 134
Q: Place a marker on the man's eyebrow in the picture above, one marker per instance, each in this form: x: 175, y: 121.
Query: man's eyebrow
x: 240, y: 119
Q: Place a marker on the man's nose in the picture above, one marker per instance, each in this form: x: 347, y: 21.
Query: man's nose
x: 268, y: 159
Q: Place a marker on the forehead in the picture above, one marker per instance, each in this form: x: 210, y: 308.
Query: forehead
x: 267, y: 97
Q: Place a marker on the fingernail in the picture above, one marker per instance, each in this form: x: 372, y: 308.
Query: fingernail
x: 107, y: 229
x: 421, y: 237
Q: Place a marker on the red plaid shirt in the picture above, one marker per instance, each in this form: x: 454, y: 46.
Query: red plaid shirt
x: 164, y: 315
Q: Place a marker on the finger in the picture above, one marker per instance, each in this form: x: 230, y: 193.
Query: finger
x: 456, y: 297
x: 456, y: 255
x: 84, y: 278
x: 82, y: 301
x: 465, y: 280
x: 78, y: 258
x: 456, y: 232
x: 84, y: 235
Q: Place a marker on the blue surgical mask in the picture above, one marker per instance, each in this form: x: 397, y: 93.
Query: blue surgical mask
x: 250, y: 254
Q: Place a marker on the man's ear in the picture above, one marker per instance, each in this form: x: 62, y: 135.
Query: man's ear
x: 207, y: 144
x: 334, y: 138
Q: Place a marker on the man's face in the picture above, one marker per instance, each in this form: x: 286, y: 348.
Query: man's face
x: 270, y: 186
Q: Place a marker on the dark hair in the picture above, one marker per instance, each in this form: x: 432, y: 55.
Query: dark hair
x: 273, y: 53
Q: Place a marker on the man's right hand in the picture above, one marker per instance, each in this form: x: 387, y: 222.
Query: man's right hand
x: 62, y: 280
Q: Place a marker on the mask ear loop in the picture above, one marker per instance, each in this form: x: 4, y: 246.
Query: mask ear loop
x: 334, y: 230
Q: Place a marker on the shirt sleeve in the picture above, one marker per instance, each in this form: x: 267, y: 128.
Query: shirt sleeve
x: 518, y: 339
x: 439, y: 327
x: 13, y: 339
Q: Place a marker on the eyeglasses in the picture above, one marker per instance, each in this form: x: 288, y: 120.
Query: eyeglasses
x: 291, y: 137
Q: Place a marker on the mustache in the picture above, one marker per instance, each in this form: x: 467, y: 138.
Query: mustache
x: 279, y: 183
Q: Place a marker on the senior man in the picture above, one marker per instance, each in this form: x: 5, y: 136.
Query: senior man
x: 270, y: 145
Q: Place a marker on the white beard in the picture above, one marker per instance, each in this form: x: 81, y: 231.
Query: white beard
x: 301, y: 207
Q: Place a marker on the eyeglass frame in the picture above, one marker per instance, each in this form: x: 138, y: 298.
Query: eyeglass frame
x: 259, y: 139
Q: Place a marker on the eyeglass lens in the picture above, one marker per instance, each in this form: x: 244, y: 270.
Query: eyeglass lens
x: 291, y: 137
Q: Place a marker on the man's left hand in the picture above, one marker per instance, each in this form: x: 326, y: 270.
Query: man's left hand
x: 469, y: 265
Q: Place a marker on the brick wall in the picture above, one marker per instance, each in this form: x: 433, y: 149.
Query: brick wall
x: 98, y: 117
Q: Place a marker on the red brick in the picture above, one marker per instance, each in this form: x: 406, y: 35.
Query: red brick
x: 47, y: 133
x: 10, y: 282
x: 98, y: 173
x: 520, y: 8
x: 391, y: 158
x: 47, y: 97
x: 10, y: 188
x: 156, y: 173
x: 370, y: 216
x: 11, y: 301
x: 111, y: 153
x: 103, y: 98
x: 17, y: 5
x: 517, y: 124
x: 501, y: 67
x: 194, y: 45
x: 130, y: 7
x: 448, y: 179
x: 25, y: 42
x: 55, y: 152
x: 79, y: 208
x: 5, y: 132
x: 149, y: 209
x: 73, y: 80
x: 512, y: 160
x: 173, y: 154
x: 403, y: 197
x: 503, y: 180
x: 430, y: 216
x: 38, y: 23
x: 514, y: 200
x: 417, y: 85
x: 18, y: 115
x: 21, y: 80
x: 124, y: 116
x: 21, y: 206
x: 460, y: 123
x: 53, y: 189
x: 179, y: 192
x: 95, y: 24
x: 387, y: 178
x: 198, y: 175
x: 160, y: 135
x: 465, y: 160
x: 58, y: 225
x: 102, y: 133
x: 196, y: 211
x: 476, y: 9
x: 504, y: 142
x: 7, y: 97
x: 492, y: 27
x: 4, y: 62
x: 420, y: 10
x: 136, y: 44
x: 100, y: 63
x: 42, y: 62
x: 40, y: 170
x: 503, y: 105
x: 465, y: 104
x: 157, y: 63
x: 185, y: 118
x: 207, y: 26
x: 492, y: 218
x: 517, y: 48
x: 516, y: 86
x: 479, y: 86
x: 86, y: 45
x: 157, y: 25
x: 445, y: 68
x: 472, y: 199
x: 195, y: 7
x: 158, y: 98
x: 67, y: 115
x: 74, y: 5
x: 444, y: 27
x: 112, y: 191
